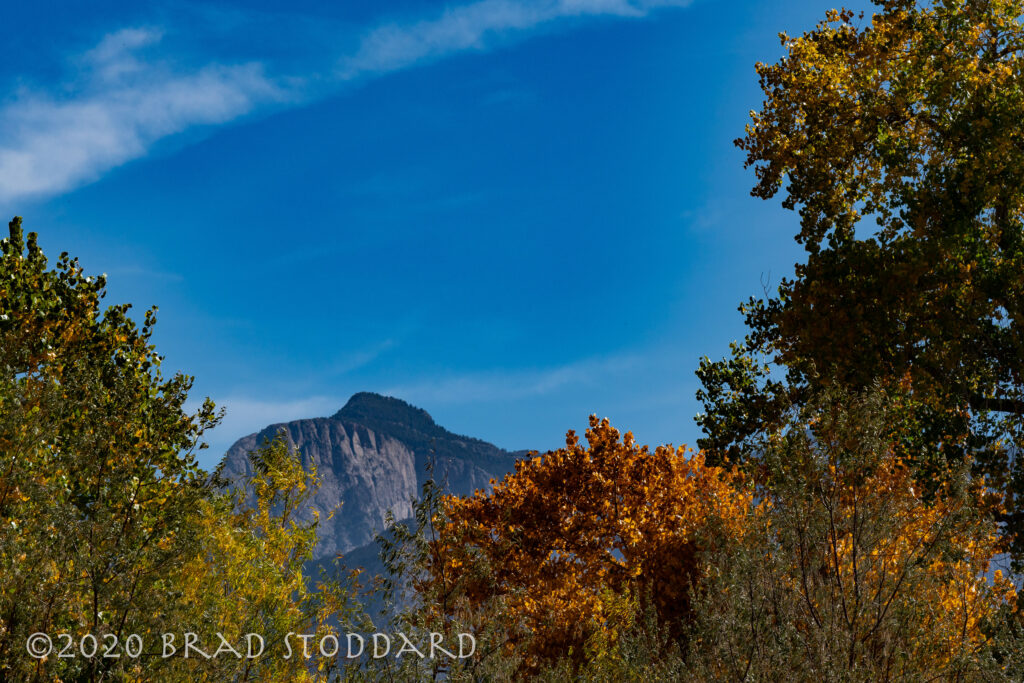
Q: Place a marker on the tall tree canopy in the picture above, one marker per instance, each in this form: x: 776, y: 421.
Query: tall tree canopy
x: 108, y: 527
x: 98, y: 478
x: 899, y: 140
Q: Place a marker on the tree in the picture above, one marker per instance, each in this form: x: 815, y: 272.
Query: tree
x: 109, y: 530
x: 560, y: 543
x: 98, y: 479
x: 912, y: 121
x: 419, y: 605
x: 248, y: 578
x: 848, y: 573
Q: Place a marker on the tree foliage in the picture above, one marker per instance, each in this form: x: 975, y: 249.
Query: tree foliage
x: 898, y: 140
x: 848, y: 573
x: 108, y: 527
x: 98, y: 479
x: 561, y: 542
x: 249, y: 577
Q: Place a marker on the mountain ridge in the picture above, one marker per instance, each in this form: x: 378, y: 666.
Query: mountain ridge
x: 373, y: 456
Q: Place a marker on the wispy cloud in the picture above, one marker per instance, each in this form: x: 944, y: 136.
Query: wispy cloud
x: 505, y: 385
x: 114, y: 112
x: 121, y: 100
x: 468, y: 27
x: 146, y: 273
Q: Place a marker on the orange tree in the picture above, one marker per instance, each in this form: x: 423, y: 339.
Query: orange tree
x: 560, y: 543
x: 898, y: 139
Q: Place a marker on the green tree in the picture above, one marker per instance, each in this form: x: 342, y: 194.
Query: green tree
x: 899, y: 141
x: 108, y: 527
x: 98, y: 478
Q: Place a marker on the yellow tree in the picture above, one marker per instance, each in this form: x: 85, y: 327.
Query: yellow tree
x: 109, y: 531
x: 850, y: 571
x: 248, y: 578
x: 559, y: 543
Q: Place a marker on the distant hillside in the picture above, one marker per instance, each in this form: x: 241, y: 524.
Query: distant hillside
x: 373, y: 456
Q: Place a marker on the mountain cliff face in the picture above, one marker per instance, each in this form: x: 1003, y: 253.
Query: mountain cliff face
x: 373, y: 456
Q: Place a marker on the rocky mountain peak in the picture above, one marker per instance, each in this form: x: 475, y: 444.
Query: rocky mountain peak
x: 367, y: 407
x: 373, y: 456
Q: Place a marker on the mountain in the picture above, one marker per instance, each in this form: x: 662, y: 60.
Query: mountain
x: 373, y: 456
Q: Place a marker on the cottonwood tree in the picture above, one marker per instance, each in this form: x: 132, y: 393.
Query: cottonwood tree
x: 98, y: 478
x: 249, y: 578
x: 848, y: 573
x: 565, y: 548
x: 108, y: 527
x: 899, y: 140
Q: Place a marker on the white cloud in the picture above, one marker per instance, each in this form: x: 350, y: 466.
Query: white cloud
x: 396, y: 46
x: 361, y: 358
x: 120, y: 103
x: 49, y: 144
x: 114, y: 57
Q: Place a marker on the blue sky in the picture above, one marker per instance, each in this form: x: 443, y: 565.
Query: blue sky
x: 510, y: 213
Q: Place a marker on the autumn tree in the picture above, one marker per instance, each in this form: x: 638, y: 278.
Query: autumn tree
x: 109, y: 530
x: 98, y: 477
x: 409, y: 599
x: 564, y: 547
x: 898, y: 139
x: 849, y: 573
x: 249, y: 577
